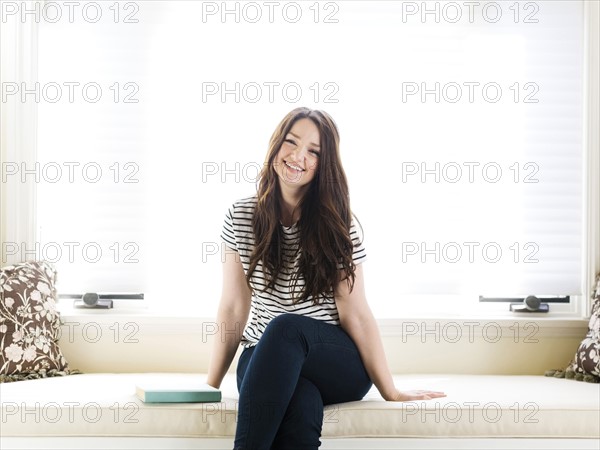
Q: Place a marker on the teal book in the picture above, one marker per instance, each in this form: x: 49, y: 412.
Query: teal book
x: 163, y: 391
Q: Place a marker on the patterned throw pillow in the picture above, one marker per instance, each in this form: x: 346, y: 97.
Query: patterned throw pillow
x: 29, y: 322
x: 585, y: 365
x: 587, y: 357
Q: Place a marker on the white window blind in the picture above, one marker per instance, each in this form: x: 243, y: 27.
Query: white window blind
x: 461, y: 138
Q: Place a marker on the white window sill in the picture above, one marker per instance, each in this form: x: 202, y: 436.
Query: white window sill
x: 490, y: 326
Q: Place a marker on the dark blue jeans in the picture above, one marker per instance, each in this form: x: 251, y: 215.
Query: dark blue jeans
x: 299, y: 365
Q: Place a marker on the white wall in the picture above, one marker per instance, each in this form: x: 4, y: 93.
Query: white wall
x: 100, y: 343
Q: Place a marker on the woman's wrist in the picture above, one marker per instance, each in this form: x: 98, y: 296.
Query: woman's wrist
x: 213, y: 379
x: 212, y: 382
x: 389, y: 394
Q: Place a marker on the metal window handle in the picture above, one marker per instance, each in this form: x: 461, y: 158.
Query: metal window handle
x: 92, y: 300
x: 532, y: 303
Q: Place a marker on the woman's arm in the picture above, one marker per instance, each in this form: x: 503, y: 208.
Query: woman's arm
x: 357, y: 320
x: 231, y: 317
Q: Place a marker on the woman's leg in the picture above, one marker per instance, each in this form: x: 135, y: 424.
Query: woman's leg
x: 300, y: 428
x: 291, y: 347
x: 303, y: 418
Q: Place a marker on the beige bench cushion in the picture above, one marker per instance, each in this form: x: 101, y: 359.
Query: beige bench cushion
x: 476, y: 406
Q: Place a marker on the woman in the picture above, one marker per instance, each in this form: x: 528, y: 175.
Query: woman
x: 293, y: 260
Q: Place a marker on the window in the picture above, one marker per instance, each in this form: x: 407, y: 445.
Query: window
x: 462, y: 133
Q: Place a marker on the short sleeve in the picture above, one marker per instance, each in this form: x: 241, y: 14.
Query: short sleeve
x: 356, y: 234
x: 228, y: 233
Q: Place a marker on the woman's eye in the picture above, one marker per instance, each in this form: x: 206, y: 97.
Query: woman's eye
x: 316, y: 153
x: 290, y: 141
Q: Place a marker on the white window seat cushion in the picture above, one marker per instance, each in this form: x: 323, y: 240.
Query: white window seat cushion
x: 477, y: 406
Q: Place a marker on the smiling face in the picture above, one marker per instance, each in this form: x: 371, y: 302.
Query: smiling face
x: 297, y: 161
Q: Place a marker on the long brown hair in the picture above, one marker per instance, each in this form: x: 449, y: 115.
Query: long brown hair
x: 325, y: 219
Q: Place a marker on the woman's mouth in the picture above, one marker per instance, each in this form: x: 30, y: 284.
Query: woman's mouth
x: 293, y: 167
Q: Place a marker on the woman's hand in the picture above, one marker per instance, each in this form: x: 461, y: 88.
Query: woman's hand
x: 408, y: 396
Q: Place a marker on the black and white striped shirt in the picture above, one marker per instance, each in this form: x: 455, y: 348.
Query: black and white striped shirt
x: 237, y: 234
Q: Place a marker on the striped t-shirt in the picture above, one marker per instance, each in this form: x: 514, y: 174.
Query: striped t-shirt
x: 237, y: 234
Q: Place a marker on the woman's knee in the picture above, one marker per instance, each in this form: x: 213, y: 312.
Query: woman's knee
x: 290, y: 319
x: 288, y: 327
x: 294, y: 328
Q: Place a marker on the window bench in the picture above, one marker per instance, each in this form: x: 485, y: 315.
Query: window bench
x: 102, y: 411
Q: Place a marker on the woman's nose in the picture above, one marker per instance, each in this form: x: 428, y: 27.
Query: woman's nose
x: 300, y: 152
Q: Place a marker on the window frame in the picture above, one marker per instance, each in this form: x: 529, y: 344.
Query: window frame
x: 18, y: 123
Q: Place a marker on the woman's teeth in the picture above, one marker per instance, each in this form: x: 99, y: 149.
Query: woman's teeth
x: 294, y: 167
